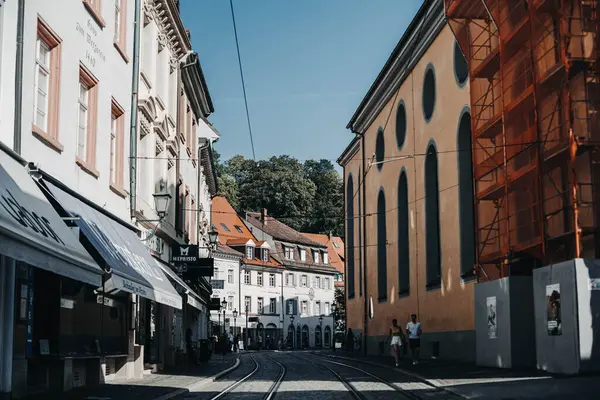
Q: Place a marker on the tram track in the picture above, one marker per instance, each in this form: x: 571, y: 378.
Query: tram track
x: 247, y: 378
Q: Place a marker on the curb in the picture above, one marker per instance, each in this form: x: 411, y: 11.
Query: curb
x: 200, y: 383
x: 432, y: 382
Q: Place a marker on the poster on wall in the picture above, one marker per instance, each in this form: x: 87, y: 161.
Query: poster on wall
x: 553, y: 310
x: 491, y: 317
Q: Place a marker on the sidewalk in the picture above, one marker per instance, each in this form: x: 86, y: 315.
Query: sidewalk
x: 473, y: 382
x: 159, y: 386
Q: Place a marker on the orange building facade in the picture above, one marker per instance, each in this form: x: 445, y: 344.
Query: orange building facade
x: 410, y: 243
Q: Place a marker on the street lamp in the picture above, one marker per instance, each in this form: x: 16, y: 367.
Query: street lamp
x: 224, y: 306
x: 161, y: 203
x: 213, y: 237
x: 293, y: 332
x: 246, y: 336
x: 321, y: 332
x: 235, y: 314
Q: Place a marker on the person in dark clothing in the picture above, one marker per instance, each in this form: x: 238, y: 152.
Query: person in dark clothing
x: 350, y: 341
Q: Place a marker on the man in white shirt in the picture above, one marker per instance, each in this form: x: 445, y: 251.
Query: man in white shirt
x: 413, y: 328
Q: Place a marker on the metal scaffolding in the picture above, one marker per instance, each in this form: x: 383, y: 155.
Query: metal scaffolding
x: 535, y: 91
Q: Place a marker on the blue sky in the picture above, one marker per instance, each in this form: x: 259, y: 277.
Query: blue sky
x: 307, y: 65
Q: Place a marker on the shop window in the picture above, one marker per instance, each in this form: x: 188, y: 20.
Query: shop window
x: 432, y: 220
x: 381, y: 248
x: 403, y: 236
x: 429, y: 93
x: 401, y: 125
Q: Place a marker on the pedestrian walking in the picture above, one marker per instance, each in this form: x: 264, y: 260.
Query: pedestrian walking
x: 397, y: 337
x: 414, y: 338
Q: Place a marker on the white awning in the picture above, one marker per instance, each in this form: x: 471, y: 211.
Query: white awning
x: 134, y: 270
x: 31, y: 230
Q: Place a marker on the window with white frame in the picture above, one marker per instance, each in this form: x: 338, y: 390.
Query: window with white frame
x: 260, y: 305
x: 273, y: 305
x: 216, y: 273
x: 325, y: 258
x: 259, y: 279
x: 304, y: 307
x: 82, y: 120
x: 304, y: 281
x: 327, y: 283
x: 315, y: 257
x: 318, y: 282
x: 248, y: 303
x: 229, y: 303
x: 265, y: 255
x: 289, y: 252
x: 327, y: 308
x: 230, y: 276
x: 113, y: 148
x: 272, y: 280
x: 317, y: 308
x: 303, y: 255
x: 250, y: 252
x: 289, y: 279
x: 247, y: 277
x: 117, y: 32
x: 42, y: 84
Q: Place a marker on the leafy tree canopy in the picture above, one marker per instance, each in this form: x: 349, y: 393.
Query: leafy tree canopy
x: 306, y: 196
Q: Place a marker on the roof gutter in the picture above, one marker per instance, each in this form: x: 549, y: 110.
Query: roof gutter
x: 195, y: 83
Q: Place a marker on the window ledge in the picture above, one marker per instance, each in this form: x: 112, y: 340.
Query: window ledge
x: 404, y: 294
x: 433, y: 287
x: 119, y: 191
x: 94, y: 13
x: 121, y: 51
x: 47, y: 139
x: 87, y: 167
x: 382, y: 300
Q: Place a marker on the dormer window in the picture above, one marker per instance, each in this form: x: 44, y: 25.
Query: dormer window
x: 289, y: 252
x: 325, y: 258
x: 250, y: 252
x: 303, y: 255
x: 265, y: 255
x: 316, y: 257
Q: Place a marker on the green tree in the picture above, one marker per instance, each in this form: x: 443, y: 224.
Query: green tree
x: 329, y: 199
x: 228, y: 186
x: 340, y: 310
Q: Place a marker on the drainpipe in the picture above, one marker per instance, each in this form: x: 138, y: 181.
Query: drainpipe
x: 134, y: 111
x: 19, y: 77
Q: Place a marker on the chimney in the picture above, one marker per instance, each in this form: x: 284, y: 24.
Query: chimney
x: 330, y: 236
x: 263, y: 216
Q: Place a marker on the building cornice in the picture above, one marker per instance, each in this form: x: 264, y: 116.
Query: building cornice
x: 422, y: 31
x: 167, y: 17
x: 207, y: 160
x: 195, y: 86
x: 349, y: 152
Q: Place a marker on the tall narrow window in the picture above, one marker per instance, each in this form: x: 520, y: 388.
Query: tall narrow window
x: 120, y: 32
x: 87, y: 120
x: 403, y: 236
x: 117, y: 149
x: 350, y: 235
x: 432, y: 220
x: 46, y: 85
x: 381, y: 248
x: 465, y: 197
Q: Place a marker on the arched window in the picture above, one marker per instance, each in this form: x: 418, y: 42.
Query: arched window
x: 403, y: 238
x: 350, y: 235
x: 465, y: 196
x: 318, y: 336
x: 461, y: 67
x: 432, y: 219
x: 381, y: 248
x: 305, y: 341
x: 327, y: 336
x: 429, y: 93
x: 379, y: 148
x: 401, y: 125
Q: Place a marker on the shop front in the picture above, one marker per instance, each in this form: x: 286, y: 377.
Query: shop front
x: 132, y: 281
x: 42, y: 267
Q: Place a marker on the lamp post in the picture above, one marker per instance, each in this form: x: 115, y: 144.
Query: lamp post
x: 334, y: 312
x: 246, y: 337
x: 235, y: 314
x: 321, y: 332
x: 213, y: 237
x: 293, y: 332
x: 224, y: 306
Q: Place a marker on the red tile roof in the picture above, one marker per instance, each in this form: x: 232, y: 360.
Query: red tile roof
x: 223, y: 214
x: 334, y: 258
x: 280, y: 231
